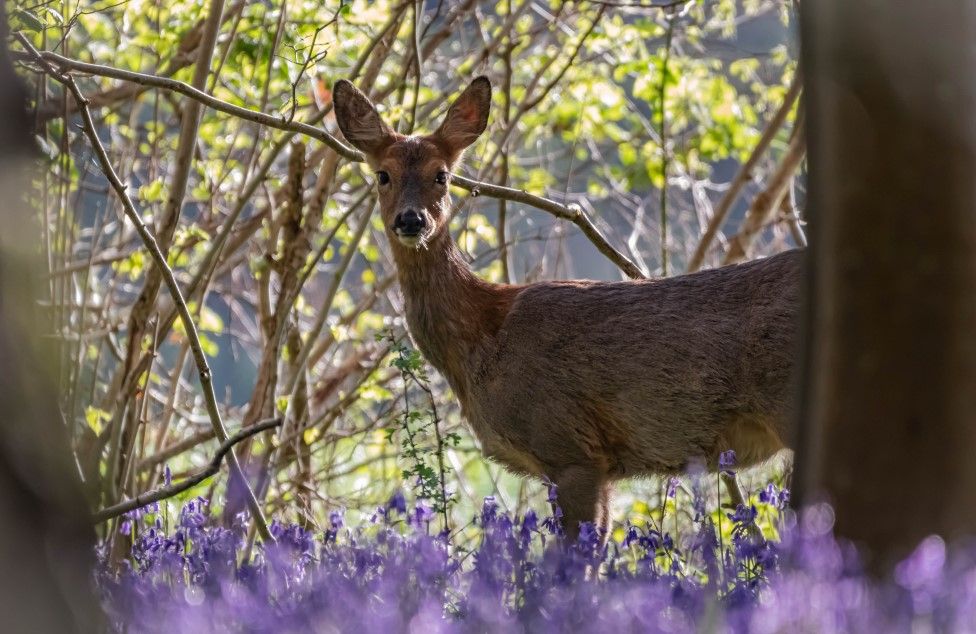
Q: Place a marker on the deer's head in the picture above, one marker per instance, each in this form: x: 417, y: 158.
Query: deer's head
x: 413, y: 173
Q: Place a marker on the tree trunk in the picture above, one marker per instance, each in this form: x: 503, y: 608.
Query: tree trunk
x: 889, y: 403
x: 46, y: 537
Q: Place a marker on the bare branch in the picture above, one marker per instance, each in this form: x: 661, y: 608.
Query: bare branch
x: 143, y: 79
x: 211, y: 469
x: 174, y: 450
x: 744, y: 175
x: 206, y: 381
x: 640, y: 5
x: 572, y: 213
x: 767, y: 202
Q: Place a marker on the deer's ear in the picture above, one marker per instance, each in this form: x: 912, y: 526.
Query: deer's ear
x: 359, y: 121
x: 467, y: 117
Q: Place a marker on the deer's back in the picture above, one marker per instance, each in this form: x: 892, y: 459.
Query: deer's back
x: 639, y: 375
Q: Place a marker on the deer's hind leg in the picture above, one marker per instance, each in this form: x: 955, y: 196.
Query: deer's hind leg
x: 733, y: 489
x: 603, y: 514
x: 583, y: 494
x: 754, y: 438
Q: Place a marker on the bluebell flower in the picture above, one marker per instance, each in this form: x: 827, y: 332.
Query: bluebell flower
x: 489, y: 509
x: 530, y: 525
x: 726, y: 461
x: 551, y: 489
x: 382, y: 578
x: 743, y: 514
x: 673, y: 483
x: 768, y: 495
x: 397, y: 503
x: 667, y: 542
x: 335, y: 518
x: 631, y: 536
x: 422, y: 514
x: 784, y: 498
x: 554, y: 523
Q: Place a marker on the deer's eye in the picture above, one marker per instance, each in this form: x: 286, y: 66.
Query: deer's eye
x: 441, y: 178
x: 383, y: 177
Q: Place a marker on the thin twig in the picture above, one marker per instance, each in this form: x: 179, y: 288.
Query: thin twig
x: 767, y: 202
x: 418, y: 10
x: 573, y: 213
x: 640, y: 5
x: 206, y: 381
x: 506, y: 117
x: 172, y: 490
x: 744, y: 175
x: 663, y: 135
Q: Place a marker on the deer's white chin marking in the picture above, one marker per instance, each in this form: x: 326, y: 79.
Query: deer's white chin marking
x: 412, y: 242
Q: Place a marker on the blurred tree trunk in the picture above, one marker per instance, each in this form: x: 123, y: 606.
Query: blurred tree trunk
x: 46, y: 537
x: 890, y: 389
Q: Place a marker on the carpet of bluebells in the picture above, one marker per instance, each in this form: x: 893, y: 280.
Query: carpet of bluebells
x: 393, y: 574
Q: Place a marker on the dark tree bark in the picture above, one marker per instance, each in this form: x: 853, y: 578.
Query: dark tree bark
x: 890, y: 390
x: 46, y: 537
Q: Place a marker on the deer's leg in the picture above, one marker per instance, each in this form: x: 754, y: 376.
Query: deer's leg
x: 583, y: 495
x: 603, y: 515
x: 735, y: 494
x: 732, y: 486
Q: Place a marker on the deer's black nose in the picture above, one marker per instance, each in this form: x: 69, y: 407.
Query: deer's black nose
x: 408, y: 223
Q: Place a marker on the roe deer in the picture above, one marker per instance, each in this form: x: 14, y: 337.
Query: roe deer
x: 582, y: 382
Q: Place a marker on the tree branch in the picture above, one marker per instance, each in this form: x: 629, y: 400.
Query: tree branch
x: 572, y: 213
x: 744, y: 175
x: 144, y: 79
x: 123, y: 431
x: 767, y: 201
x: 172, y: 490
x: 206, y: 381
x: 640, y: 5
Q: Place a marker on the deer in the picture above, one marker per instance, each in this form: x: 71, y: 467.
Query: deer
x: 583, y: 383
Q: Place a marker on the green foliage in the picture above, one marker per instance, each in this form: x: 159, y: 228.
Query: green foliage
x: 422, y: 446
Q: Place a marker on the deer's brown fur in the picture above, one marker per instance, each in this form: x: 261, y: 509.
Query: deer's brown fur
x: 582, y: 382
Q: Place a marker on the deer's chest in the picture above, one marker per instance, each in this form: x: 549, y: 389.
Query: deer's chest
x: 502, y: 440
x: 465, y: 356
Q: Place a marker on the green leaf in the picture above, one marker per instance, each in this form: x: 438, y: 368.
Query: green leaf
x: 627, y: 153
x: 281, y: 404
x: 24, y: 20
x: 152, y: 193
x: 310, y: 435
x: 95, y: 417
x: 209, y: 346
x: 210, y: 321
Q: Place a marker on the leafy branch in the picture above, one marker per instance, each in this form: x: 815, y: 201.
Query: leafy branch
x: 431, y: 483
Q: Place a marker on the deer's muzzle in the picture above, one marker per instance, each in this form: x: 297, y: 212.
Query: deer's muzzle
x: 409, y: 226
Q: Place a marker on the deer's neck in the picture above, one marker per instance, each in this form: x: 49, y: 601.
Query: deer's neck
x: 453, y: 315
